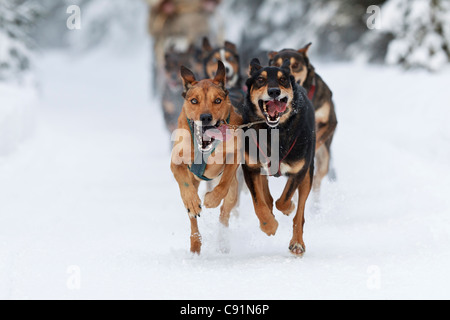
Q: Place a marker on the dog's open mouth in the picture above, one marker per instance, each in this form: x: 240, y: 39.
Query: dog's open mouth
x: 207, y: 135
x: 273, y: 110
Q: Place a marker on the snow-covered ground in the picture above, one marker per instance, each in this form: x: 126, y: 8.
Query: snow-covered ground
x: 89, y: 208
x: 18, y: 104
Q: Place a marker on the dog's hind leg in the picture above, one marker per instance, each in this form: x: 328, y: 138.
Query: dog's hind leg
x: 332, y: 175
x: 297, y: 245
x: 242, y: 188
x: 229, y: 202
x: 254, y: 180
x: 322, y: 165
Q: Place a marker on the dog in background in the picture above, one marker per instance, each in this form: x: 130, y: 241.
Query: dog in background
x: 207, y: 112
x: 229, y: 55
x: 322, y: 98
x: 275, y: 98
x: 178, y: 23
x: 172, y: 100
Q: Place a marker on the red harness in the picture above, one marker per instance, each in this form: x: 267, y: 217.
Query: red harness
x: 279, y: 174
x: 312, y: 90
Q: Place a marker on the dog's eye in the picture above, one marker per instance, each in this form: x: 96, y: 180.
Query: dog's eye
x: 218, y: 101
x: 295, y: 66
x: 194, y: 101
x: 261, y: 80
x: 283, y: 80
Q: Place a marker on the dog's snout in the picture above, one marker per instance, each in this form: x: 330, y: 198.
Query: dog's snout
x: 206, y: 118
x: 274, y: 92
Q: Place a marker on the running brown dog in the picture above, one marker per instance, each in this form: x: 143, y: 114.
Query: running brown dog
x: 207, y: 112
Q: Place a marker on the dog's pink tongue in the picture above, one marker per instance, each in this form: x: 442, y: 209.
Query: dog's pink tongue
x: 220, y: 133
x: 274, y: 107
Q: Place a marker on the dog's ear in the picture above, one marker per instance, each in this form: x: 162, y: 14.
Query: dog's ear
x: 169, y: 51
x: 286, y: 66
x: 272, y: 54
x: 231, y: 46
x: 304, y: 50
x: 255, y: 66
x: 191, y: 49
x: 221, y: 75
x: 207, y: 45
x: 188, y: 78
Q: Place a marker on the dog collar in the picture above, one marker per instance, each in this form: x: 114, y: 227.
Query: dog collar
x: 269, y: 163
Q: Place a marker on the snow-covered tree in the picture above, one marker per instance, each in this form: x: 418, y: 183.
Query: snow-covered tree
x: 109, y: 23
x: 421, y: 32
x: 16, y: 21
x: 332, y: 25
x: 414, y: 33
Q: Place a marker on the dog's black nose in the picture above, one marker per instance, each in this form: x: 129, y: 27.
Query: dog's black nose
x: 274, y: 92
x: 206, y: 118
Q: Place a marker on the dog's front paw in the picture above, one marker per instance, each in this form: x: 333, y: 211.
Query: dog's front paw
x: 269, y: 227
x: 213, y: 199
x: 193, y: 205
x: 297, y: 248
x: 285, y: 207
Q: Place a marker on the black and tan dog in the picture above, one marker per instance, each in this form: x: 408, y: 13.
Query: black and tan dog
x: 206, y: 112
x: 322, y: 98
x: 284, y: 108
x: 229, y: 55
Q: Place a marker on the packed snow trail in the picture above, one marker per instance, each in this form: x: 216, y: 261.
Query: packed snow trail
x: 89, y: 208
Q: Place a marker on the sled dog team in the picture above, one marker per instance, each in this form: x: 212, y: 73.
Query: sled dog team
x: 280, y: 122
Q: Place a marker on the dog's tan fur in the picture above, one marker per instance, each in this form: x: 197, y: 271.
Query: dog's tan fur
x: 206, y: 92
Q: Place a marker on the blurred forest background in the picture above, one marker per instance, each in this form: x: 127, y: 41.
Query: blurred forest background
x: 412, y: 33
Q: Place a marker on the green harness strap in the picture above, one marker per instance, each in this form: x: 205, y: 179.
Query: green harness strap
x: 198, y: 168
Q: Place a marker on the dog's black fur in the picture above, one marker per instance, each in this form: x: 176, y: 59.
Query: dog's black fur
x: 298, y: 124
